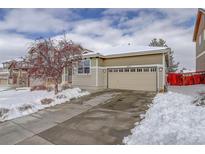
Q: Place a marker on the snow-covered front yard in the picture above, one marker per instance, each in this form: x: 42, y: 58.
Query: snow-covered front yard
x: 17, y: 103
x: 173, y: 118
x: 3, y: 88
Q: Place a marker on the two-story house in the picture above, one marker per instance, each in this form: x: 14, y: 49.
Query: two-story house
x: 199, y: 38
x: 15, y: 74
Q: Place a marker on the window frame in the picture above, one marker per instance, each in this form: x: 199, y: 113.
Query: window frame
x: 153, y: 69
x: 126, y: 70
x: 131, y: 69
x: 139, y: 69
x: 115, y: 70
x: 84, y: 67
x: 120, y: 70
x: 146, y: 69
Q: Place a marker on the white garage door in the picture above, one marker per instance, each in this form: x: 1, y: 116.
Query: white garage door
x: 133, y: 78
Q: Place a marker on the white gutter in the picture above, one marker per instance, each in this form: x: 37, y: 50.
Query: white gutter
x: 128, y: 66
x: 157, y: 78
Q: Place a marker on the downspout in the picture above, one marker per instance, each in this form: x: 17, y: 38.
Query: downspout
x: 96, y: 69
x: 157, y: 78
x: 163, y: 76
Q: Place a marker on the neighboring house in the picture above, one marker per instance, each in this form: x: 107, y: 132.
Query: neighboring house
x: 199, y: 38
x: 4, y: 75
x: 14, y: 73
x: 128, y: 67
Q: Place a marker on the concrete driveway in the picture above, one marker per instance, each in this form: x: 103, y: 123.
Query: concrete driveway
x: 101, y: 118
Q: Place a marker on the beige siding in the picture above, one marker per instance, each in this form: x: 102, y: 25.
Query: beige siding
x: 84, y: 80
x: 200, y: 48
x: 134, y: 60
x: 93, y: 62
x: 102, y: 75
x: 161, y: 86
x: 101, y: 62
x: 200, y: 61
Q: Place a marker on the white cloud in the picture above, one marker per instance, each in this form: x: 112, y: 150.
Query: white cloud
x: 140, y: 30
x: 113, y: 28
x: 33, y: 20
x: 12, y: 46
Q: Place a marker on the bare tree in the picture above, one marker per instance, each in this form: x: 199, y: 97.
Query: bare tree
x: 47, y: 58
x: 158, y: 43
x: 173, y: 66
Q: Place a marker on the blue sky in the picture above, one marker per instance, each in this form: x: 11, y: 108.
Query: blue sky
x: 98, y: 29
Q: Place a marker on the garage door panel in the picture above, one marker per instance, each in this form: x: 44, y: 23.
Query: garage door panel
x: 132, y: 80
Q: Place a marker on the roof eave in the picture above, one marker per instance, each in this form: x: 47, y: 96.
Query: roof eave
x: 137, y: 53
x: 93, y: 55
x: 199, y: 13
x: 160, y: 51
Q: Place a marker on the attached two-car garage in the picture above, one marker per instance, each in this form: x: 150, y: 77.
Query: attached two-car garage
x: 129, y: 68
x: 133, y: 78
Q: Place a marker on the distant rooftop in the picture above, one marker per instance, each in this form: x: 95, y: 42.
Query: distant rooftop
x: 15, y: 59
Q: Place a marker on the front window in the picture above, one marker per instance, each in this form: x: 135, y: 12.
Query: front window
x: 84, y: 67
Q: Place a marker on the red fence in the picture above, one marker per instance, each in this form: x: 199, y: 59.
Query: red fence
x: 191, y: 78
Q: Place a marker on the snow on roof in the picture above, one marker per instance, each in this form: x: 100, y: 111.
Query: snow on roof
x: 202, y: 10
x: 128, y: 49
x: 15, y: 59
x: 125, y: 49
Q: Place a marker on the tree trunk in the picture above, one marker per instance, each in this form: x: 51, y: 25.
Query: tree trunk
x: 56, y: 87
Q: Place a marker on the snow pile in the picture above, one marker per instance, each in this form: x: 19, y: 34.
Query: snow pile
x: 171, y: 119
x: 3, y: 88
x: 17, y: 103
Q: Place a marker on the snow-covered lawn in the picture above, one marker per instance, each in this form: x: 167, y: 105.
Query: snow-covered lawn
x: 3, y: 88
x: 17, y: 103
x: 188, y: 90
x: 173, y: 118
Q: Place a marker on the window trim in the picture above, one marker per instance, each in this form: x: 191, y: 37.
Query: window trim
x: 126, y: 70
x: 83, y: 68
x: 146, y: 69
x: 139, y: 69
x: 153, y: 69
x: 120, y: 70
